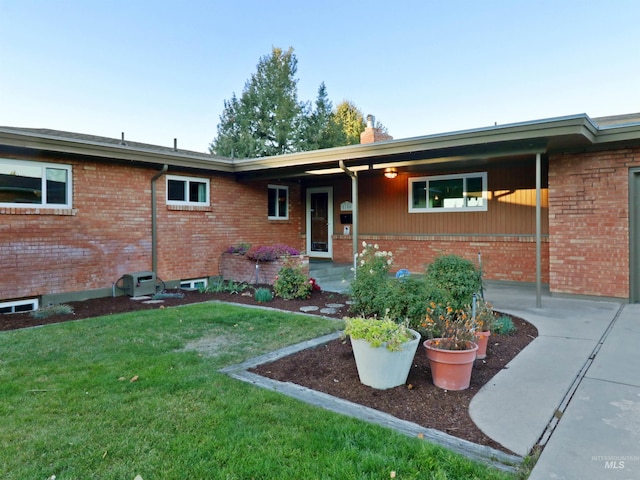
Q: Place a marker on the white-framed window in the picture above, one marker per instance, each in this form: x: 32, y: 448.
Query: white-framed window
x: 448, y: 193
x: 25, y: 183
x: 194, y: 284
x: 18, y: 306
x: 278, y: 202
x: 187, y: 190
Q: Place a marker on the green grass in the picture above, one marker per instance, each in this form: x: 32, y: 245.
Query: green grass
x: 69, y: 409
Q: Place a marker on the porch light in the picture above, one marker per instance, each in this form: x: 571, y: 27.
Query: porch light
x: 391, y: 172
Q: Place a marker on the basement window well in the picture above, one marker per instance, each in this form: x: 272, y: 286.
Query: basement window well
x: 19, y: 306
x: 195, y: 284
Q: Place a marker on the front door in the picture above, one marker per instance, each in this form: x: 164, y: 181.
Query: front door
x: 320, y: 222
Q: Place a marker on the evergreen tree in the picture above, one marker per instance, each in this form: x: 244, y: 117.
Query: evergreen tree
x: 350, y: 122
x: 321, y: 129
x: 267, y: 118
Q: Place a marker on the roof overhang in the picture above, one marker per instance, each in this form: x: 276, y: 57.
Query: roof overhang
x: 514, y: 140
x: 20, y: 138
x: 504, y: 142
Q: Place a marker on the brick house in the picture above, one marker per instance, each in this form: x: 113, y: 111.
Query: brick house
x: 553, y: 201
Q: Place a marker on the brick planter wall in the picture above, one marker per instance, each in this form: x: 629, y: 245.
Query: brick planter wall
x: 239, y: 268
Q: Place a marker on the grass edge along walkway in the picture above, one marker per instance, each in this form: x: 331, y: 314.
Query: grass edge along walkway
x: 134, y: 394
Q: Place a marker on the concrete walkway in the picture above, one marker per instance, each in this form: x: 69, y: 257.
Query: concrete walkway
x: 574, y: 391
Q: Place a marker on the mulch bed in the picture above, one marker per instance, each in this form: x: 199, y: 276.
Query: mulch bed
x: 331, y: 368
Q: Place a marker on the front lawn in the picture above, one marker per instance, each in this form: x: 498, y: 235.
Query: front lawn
x: 139, y: 394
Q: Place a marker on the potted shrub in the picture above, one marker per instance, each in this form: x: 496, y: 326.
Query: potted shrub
x: 383, y: 350
x: 451, y: 349
x: 484, y: 320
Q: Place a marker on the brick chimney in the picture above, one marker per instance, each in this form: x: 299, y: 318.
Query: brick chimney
x: 372, y: 134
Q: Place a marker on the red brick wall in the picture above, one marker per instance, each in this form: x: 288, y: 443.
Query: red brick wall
x: 108, y: 231
x: 589, y: 222
x: 503, y: 258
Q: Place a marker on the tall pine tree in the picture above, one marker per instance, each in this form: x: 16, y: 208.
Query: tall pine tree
x: 267, y: 118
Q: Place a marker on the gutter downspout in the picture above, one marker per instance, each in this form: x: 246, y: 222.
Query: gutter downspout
x: 354, y: 201
x: 154, y: 227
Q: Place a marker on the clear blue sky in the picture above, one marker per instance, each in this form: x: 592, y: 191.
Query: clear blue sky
x: 159, y: 70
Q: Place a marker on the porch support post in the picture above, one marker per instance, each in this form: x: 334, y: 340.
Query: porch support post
x: 538, y: 230
x: 354, y: 201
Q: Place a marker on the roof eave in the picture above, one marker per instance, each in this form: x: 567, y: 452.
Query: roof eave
x: 29, y: 140
x: 534, y: 136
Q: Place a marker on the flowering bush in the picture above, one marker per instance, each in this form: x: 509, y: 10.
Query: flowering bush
x: 291, y: 283
x: 314, y: 285
x: 370, y: 285
x: 240, y: 249
x: 485, y: 316
x: 270, y: 253
x: 454, y: 328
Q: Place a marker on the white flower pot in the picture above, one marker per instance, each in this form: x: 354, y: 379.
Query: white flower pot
x: 380, y: 368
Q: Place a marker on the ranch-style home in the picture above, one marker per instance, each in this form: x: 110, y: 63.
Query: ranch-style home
x: 552, y: 202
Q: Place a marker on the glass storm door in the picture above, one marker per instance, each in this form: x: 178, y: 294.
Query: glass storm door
x: 320, y: 222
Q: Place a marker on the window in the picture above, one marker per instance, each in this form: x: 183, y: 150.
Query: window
x: 187, y: 191
x: 195, y: 284
x: 448, y: 193
x: 24, y: 183
x: 19, y: 306
x: 278, y: 208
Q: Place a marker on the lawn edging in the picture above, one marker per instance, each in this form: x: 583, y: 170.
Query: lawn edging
x: 480, y: 453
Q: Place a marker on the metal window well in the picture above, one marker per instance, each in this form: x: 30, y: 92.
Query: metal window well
x: 139, y: 283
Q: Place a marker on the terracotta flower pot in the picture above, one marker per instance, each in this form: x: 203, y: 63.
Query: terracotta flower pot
x: 482, y: 339
x: 451, y: 369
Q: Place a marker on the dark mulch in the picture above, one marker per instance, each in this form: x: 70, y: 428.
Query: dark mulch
x: 331, y: 368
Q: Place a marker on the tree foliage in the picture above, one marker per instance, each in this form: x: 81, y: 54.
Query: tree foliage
x: 267, y: 119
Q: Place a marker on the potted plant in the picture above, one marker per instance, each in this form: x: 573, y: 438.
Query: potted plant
x: 383, y: 350
x: 484, y: 320
x: 451, y: 349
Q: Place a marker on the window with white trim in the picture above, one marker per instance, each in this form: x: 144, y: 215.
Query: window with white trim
x: 18, y: 306
x: 448, y: 193
x: 195, y: 284
x: 24, y: 183
x: 187, y: 190
x: 278, y: 202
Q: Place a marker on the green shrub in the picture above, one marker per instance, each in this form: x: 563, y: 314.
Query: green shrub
x: 225, y: 286
x: 378, y: 332
x: 291, y: 283
x: 263, y: 295
x: 503, y: 325
x: 455, y: 278
x: 371, y: 284
x: 51, y: 310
